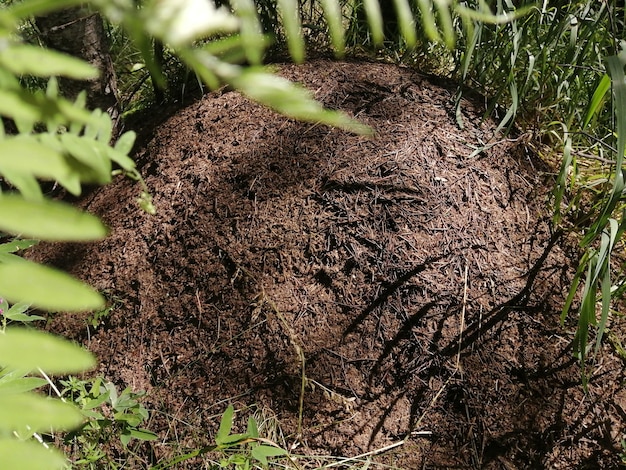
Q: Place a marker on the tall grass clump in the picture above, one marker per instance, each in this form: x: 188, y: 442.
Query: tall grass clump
x: 604, y: 221
x: 542, y: 67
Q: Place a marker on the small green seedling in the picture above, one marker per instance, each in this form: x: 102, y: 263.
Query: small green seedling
x: 108, y: 415
x: 250, y: 447
x: 240, y: 451
x: 97, y: 318
x: 16, y: 313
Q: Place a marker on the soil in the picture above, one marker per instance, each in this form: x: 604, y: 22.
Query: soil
x: 418, y: 286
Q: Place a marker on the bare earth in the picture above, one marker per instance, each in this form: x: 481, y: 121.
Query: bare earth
x: 422, y: 286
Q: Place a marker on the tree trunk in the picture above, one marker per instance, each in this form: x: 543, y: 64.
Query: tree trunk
x: 78, y: 32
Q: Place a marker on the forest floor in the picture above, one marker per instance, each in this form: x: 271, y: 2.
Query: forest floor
x: 418, y: 286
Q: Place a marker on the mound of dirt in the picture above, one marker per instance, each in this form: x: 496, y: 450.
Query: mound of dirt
x: 416, y: 287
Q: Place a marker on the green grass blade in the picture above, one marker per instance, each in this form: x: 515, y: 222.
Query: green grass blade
x: 485, y: 16
x: 428, y: 20
x: 445, y: 21
x: 529, y: 72
x: 374, y: 20
x: 226, y: 424
x: 597, y: 99
x: 290, y: 99
x: 507, y: 120
x: 616, y: 231
x: 475, y: 37
x: 290, y: 14
x: 618, y: 80
x: 587, y: 315
x: 332, y: 13
x: 574, y: 287
x: 561, y: 181
x: 406, y: 22
x: 250, y: 30
x: 605, y: 293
